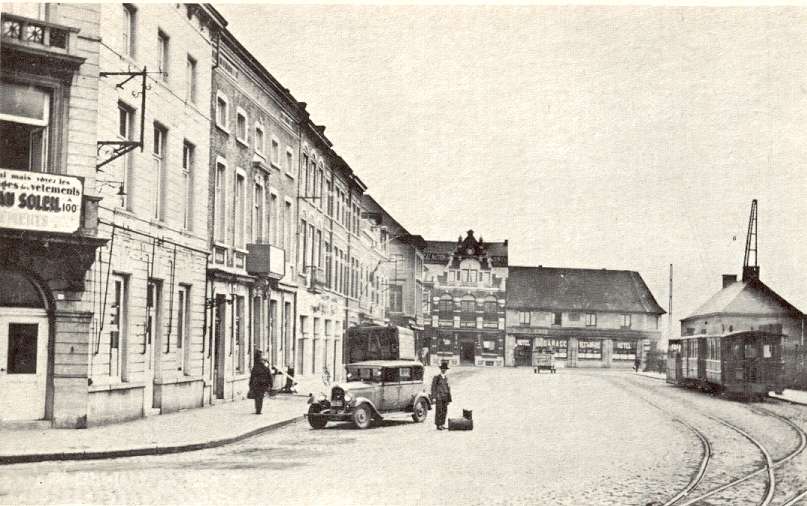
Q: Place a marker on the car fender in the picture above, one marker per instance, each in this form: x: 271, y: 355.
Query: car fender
x: 422, y: 395
x: 364, y: 400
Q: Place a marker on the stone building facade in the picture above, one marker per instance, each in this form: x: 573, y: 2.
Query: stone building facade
x: 466, y: 283
x: 49, y: 234
x: 148, y: 353
x: 254, y: 155
x: 588, y: 317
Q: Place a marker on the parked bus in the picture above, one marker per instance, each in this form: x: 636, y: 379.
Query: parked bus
x: 379, y: 342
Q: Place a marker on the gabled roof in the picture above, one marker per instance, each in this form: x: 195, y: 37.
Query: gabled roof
x: 751, y: 297
x: 564, y: 289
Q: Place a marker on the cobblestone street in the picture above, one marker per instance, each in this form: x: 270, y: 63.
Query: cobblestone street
x: 576, y: 437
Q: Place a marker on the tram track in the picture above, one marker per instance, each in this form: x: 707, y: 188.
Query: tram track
x: 682, y: 499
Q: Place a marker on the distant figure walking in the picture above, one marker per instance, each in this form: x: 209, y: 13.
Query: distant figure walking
x: 260, y: 380
x: 441, y: 396
x: 636, y: 363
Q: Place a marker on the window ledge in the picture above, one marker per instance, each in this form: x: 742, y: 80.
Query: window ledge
x: 242, y: 142
x: 288, y: 174
x: 178, y: 380
x: 223, y: 128
x: 274, y: 164
x: 125, y: 385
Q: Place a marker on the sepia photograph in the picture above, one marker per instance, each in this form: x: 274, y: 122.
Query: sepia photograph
x: 395, y: 253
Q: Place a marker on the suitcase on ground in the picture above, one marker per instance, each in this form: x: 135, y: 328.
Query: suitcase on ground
x: 464, y: 423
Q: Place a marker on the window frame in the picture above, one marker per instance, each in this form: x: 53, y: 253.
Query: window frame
x: 188, y: 162
x: 591, y: 319
x: 220, y: 186
x: 191, y: 79
x: 260, y: 140
x: 241, y: 113
x: 129, y: 32
x: 163, y: 54
x: 225, y: 125
x: 161, y: 160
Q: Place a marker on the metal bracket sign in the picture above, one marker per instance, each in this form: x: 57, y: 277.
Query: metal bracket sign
x: 40, y: 201
x: 118, y: 148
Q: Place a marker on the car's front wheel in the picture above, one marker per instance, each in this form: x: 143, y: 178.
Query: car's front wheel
x: 316, y: 422
x: 420, y: 410
x: 362, y: 417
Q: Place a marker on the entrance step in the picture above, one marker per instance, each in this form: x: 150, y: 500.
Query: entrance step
x: 24, y: 424
x: 151, y: 411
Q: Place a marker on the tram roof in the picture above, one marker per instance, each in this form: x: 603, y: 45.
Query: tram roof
x: 736, y: 333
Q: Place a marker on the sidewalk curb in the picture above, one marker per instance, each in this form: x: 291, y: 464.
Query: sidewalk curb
x: 789, y: 401
x: 141, y: 451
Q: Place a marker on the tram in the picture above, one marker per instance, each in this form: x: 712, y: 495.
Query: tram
x: 744, y: 364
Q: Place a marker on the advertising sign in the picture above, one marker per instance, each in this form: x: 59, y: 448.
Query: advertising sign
x: 40, y: 201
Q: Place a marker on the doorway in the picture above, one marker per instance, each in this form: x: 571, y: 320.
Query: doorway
x: 467, y: 354
x: 23, y: 363
x: 218, y: 345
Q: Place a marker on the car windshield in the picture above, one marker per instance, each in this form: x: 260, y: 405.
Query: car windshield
x: 367, y: 374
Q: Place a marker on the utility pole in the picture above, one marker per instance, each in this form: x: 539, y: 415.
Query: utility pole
x: 670, y: 307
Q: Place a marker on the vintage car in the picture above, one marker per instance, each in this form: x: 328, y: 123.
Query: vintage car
x: 372, y: 390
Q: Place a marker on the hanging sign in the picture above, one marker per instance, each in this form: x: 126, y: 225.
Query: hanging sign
x: 40, y: 201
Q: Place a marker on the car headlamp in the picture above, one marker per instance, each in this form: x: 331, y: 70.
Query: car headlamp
x: 322, y: 397
x: 348, y: 397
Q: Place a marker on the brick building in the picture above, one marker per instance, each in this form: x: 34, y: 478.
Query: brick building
x: 254, y: 154
x: 589, y: 317
x: 48, y: 92
x: 466, y: 284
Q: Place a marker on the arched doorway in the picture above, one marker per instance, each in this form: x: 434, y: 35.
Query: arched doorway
x: 24, y: 334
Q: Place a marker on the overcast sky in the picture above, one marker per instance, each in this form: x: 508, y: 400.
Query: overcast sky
x: 598, y: 137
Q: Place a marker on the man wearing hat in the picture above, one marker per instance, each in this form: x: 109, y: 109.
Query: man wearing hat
x: 441, y: 396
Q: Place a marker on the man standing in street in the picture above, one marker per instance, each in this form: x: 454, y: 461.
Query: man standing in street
x: 441, y: 396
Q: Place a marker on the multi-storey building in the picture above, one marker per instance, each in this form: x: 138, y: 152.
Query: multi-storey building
x: 466, y: 284
x: 336, y: 250
x: 404, y: 270
x: 148, y: 352
x: 589, y: 317
x: 48, y: 211
x: 254, y: 157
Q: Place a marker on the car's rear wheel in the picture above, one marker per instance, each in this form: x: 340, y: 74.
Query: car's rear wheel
x: 316, y: 422
x: 420, y: 410
x: 362, y: 417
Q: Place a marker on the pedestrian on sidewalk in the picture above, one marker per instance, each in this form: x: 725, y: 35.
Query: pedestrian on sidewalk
x: 636, y: 363
x: 260, y: 380
x: 441, y: 396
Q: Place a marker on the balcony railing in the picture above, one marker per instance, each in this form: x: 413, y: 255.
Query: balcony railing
x: 28, y: 32
x: 315, y: 278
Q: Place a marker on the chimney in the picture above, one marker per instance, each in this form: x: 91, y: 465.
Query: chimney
x: 729, y: 279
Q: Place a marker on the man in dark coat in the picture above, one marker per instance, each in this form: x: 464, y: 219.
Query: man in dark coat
x: 260, y: 380
x: 441, y: 396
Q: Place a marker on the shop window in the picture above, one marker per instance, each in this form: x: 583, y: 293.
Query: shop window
x: 24, y: 127
x: 624, y: 350
x: 22, y: 347
x: 489, y: 345
x: 559, y: 346
x: 588, y: 349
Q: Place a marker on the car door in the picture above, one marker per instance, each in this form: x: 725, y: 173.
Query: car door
x: 391, y: 389
x: 411, y: 384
